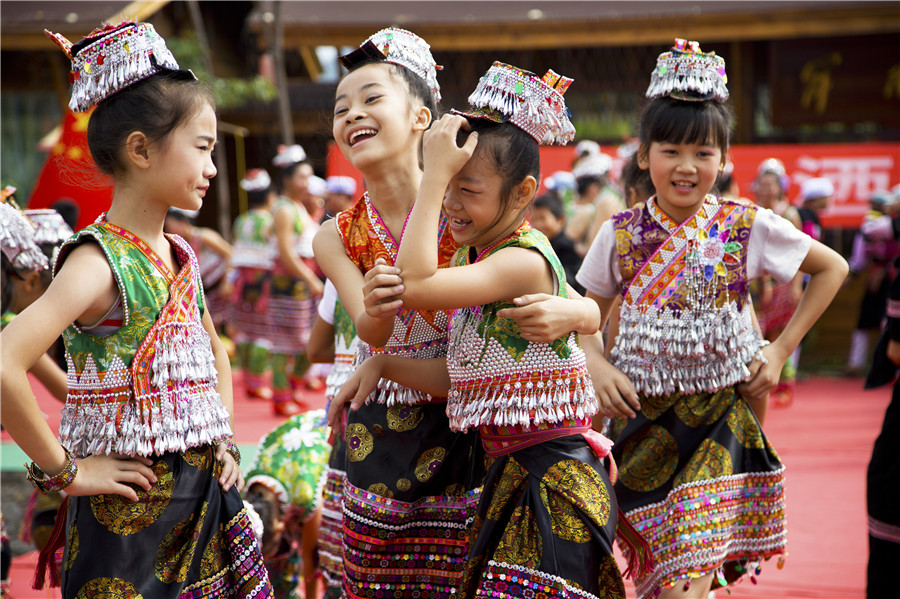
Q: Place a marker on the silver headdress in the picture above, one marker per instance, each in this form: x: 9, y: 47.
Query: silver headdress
x: 17, y: 240
x: 686, y: 73
x: 402, y: 47
x: 49, y: 226
x: 507, y: 94
x: 256, y: 179
x: 111, y: 58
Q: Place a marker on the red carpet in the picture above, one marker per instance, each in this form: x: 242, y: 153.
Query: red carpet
x: 824, y: 439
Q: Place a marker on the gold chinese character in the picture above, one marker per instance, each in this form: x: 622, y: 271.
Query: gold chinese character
x: 816, y: 76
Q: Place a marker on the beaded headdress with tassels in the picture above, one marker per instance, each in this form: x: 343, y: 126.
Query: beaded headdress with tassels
x: 687, y: 73
x: 17, y: 238
x: 113, y: 57
x: 401, y: 47
x: 508, y: 94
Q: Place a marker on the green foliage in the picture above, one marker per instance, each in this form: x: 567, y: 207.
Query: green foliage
x: 230, y: 92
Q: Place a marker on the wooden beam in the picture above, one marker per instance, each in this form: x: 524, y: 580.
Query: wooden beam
x: 139, y: 10
x: 718, y: 27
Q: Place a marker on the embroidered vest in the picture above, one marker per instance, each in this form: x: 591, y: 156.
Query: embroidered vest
x: 500, y: 379
x: 685, y: 322
x: 252, y: 248
x: 417, y: 333
x: 149, y: 387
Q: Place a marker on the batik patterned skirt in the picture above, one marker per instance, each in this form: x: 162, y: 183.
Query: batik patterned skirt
x: 700, y: 481
x: 409, y: 500
x: 545, y: 527
x: 183, y: 539
x: 292, y: 311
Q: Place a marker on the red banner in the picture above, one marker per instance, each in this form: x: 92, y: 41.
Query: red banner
x: 70, y: 173
x: 857, y: 171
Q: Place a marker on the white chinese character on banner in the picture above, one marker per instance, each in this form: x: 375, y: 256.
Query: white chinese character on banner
x: 855, y: 178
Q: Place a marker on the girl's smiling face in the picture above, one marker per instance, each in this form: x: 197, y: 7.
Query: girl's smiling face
x: 682, y: 173
x: 374, y: 115
x: 475, y: 210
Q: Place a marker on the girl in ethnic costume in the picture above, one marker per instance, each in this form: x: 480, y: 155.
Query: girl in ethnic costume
x: 147, y: 458
x: 284, y: 484
x: 697, y: 476
x: 333, y: 339
x: 547, y: 516
x: 295, y: 287
x: 251, y: 263
x: 412, y: 483
x: 777, y: 301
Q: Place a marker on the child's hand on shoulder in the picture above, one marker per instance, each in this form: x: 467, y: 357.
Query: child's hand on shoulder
x: 443, y: 158
x: 381, y: 288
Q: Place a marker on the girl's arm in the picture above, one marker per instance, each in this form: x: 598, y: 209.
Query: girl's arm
x: 51, y: 376
x: 827, y: 270
x: 283, y: 222
x: 372, y: 327
x: 615, y: 392
x: 505, y: 274
x: 84, y: 289
x: 216, y: 242
x: 429, y: 376
x: 320, y: 348
x: 543, y: 317
x: 231, y: 470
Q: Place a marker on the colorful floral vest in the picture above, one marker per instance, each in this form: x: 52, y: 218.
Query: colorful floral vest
x: 149, y: 387
x: 417, y: 333
x: 252, y: 248
x: 500, y: 379
x: 686, y: 324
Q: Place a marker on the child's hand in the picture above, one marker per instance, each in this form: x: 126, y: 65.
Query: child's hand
x: 358, y: 387
x: 615, y: 392
x: 765, y: 370
x: 231, y: 470
x: 441, y: 156
x: 543, y: 318
x: 380, y: 290
x: 108, y: 474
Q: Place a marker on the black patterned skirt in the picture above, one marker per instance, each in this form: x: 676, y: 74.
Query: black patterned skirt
x: 545, y: 526
x: 409, y: 499
x: 700, y: 481
x: 183, y: 539
x: 330, y: 544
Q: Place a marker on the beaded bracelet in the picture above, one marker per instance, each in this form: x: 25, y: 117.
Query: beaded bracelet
x: 53, y: 484
x: 232, y: 449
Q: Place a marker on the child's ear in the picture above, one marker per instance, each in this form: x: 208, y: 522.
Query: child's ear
x: 525, y: 191
x: 643, y: 159
x: 31, y: 280
x: 137, y: 149
x: 422, y: 119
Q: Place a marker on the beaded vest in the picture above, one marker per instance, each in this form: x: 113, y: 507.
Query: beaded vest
x: 251, y: 240
x: 685, y: 322
x: 149, y: 387
x: 417, y: 333
x: 345, y: 343
x: 500, y: 379
x: 299, y: 225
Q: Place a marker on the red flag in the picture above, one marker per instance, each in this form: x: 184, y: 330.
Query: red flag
x: 70, y: 173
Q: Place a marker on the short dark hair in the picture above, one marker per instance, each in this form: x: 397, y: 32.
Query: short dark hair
x: 155, y: 106
x: 551, y: 202
x: 258, y: 197
x: 670, y: 120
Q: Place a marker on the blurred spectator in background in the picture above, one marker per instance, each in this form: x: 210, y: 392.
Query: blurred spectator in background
x: 548, y: 217
x: 340, y: 192
x: 815, y: 196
